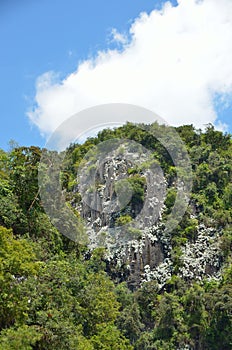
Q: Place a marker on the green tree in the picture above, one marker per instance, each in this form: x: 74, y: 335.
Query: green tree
x: 17, y: 263
x: 108, y: 337
x: 21, y: 338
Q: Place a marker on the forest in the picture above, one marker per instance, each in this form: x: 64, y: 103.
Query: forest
x: 56, y: 293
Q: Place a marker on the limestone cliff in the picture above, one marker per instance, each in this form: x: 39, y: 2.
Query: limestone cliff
x: 123, y: 201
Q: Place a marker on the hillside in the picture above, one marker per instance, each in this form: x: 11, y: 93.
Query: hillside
x: 155, y: 269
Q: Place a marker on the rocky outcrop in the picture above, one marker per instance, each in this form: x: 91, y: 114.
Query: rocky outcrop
x: 139, y: 250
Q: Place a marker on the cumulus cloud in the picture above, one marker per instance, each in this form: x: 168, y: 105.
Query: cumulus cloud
x: 177, y: 61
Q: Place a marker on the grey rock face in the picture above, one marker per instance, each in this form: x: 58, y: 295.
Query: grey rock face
x: 141, y: 249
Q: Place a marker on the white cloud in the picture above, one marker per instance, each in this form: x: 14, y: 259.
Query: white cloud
x: 177, y: 61
x: 118, y: 37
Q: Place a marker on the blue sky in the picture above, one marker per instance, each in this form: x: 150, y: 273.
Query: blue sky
x: 40, y: 36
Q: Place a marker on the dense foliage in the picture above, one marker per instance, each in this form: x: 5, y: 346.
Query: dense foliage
x: 54, y: 294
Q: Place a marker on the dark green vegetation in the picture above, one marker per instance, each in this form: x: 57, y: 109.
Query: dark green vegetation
x: 53, y: 297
